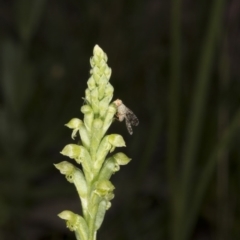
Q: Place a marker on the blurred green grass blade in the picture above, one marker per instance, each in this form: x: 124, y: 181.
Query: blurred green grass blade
x: 174, y: 92
x: 223, y: 170
x: 28, y: 16
x: 17, y: 77
x: 194, y: 125
x: 10, y: 64
x: 200, y: 95
x: 174, y: 109
x: 210, y: 167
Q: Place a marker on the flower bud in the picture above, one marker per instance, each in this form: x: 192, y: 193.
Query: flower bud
x: 103, y: 107
x: 102, y: 86
x: 103, y: 188
x: 88, y: 117
x: 111, y: 165
x: 108, y: 72
x: 109, y: 91
x: 77, y: 125
x: 105, y: 57
x: 109, y: 117
x: 92, y: 63
x: 109, y: 196
x: 75, y: 175
x: 88, y: 96
x: 107, y: 144
x: 71, y: 218
x: 80, y: 154
x: 97, y: 51
x: 91, y: 83
x: 94, y: 100
x: 116, y: 140
x: 65, y: 168
x: 75, y: 223
x: 121, y: 158
x: 94, y: 60
x: 100, y: 214
x: 74, y: 123
x: 102, y: 152
x: 96, y: 136
x: 72, y: 151
x: 96, y: 74
x: 108, y: 205
x: 107, y: 169
x: 102, y: 65
x: 84, y: 134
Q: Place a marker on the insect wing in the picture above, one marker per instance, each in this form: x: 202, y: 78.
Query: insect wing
x: 129, y: 127
x: 131, y: 117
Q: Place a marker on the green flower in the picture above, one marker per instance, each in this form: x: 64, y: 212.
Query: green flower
x: 92, y: 179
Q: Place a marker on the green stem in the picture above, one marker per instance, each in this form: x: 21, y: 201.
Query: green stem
x: 174, y: 103
x: 93, y: 209
x: 209, y: 169
x: 223, y: 209
x: 193, y: 133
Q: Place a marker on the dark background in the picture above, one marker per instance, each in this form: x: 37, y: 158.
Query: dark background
x: 175, y: 63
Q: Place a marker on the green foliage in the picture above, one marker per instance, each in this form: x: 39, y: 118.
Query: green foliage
x: 186, y: 177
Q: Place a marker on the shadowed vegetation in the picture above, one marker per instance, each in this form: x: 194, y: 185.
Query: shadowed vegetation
x: 175, y: 64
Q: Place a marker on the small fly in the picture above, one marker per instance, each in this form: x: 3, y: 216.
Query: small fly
x: 125, y: 113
